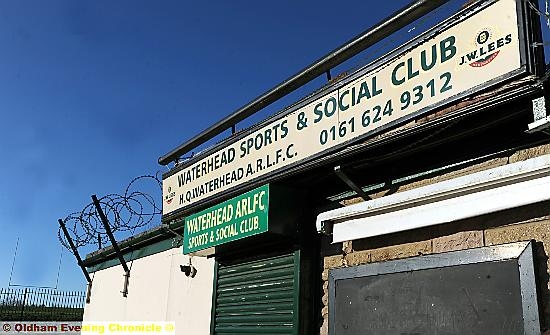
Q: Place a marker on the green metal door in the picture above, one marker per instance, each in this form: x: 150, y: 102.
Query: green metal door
x: 258, y: 297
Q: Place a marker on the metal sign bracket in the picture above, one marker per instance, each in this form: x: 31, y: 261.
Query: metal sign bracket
x: 350, y: 183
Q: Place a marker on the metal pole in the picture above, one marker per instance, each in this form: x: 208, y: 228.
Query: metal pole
x: 384, y: 28
x: 113, y: 243
x: 109, y: 232
x: 75, y: 251
x: 13, y: 262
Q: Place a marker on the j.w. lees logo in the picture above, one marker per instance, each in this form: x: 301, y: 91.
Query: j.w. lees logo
x: 170, y: 196
x: 486, y: 48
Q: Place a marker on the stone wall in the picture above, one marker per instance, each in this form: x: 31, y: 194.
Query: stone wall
x: 519, y: 224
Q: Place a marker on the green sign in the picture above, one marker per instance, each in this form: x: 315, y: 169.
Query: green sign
x: 237, y: 218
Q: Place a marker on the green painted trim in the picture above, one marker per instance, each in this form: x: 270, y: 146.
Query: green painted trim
x: 145, y: 251
x: 214, y: 295
x: 296, y: 298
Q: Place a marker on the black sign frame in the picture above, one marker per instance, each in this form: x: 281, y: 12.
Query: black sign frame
x: 520, y: 251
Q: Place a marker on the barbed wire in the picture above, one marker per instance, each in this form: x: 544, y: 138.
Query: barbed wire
x: 126, y: 213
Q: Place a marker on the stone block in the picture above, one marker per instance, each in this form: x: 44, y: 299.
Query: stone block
x: 401, y: 251
x: 333, y: 261
x: 538, y: 230
x: 324, y: 274
x: 458, y: 241
x: 358, y: 257
x: 352, y: 201
x: 324, y: 312
x: 324, y: 328
x: 525, y: 154
x: 347, y: 247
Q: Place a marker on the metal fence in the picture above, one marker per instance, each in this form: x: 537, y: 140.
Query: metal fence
x: 39, y: 304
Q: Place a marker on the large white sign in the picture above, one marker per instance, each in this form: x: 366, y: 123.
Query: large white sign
x: 470, y: 54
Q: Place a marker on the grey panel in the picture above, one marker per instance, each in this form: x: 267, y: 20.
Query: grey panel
x: 488, y: 290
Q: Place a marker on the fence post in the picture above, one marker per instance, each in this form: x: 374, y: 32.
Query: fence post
x: 23, y: 305
x: 2, y: 301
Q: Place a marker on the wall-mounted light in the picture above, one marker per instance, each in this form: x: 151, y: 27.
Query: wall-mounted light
x: 189, y: 270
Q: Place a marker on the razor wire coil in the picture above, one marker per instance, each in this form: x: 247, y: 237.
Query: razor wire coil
x: 126, y: 213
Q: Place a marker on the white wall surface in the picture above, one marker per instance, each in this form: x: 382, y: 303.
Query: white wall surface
x: 158, y: 291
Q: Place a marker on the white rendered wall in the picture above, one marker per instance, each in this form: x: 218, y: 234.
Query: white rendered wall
x: 158, y: 291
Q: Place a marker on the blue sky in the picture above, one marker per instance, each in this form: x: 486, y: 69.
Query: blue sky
x: 93, y: 92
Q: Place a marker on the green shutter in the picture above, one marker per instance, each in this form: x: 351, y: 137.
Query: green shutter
x: 259, y: 297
